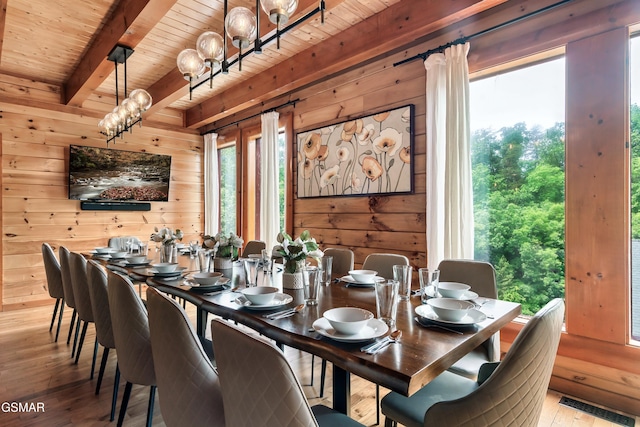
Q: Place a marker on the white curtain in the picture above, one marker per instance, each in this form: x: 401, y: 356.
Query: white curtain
x: 211, y: 185
x: 449, y: 189
x: 269, y: 168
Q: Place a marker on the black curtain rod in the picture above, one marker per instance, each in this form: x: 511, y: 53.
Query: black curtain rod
x: 286, y: 104
x: 462, y: 40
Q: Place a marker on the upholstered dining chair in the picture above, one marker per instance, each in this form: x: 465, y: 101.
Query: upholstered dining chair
x: 253, y: 247
x: 133, y: 342
x: 481, y: 276
x: 54, y: 284
x: 120, y: 242
x: 275, y: 397
x: 78, y: 266
x: 69, y: 300
x: 188, y: 385
x: 342, y: 260
x: 97, y: 280
x: 507, y: 393
x: 383, y: 263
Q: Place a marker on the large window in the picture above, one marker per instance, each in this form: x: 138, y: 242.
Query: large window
x: 634, y: 77
x: 517, y: 126
x: 228, y: 201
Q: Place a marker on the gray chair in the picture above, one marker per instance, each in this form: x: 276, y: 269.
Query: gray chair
x: 256, y: 371
x: 383, y: 263
x: 133, y: 342
x: 507, y: 393
x: 120, y: 242
x: 97, y: 280
x: 69, y: 300
x: 188, y: 386
x: 54, y: 284
x: 481, y: 276
x: 78, y: 266
x: 343, y: 260
x: 253, y: 247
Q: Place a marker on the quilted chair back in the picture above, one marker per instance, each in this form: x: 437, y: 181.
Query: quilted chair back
x: 188, y: 385
x: 81, y: 295
x: 383, y: 263
x: 52, y: 270
x: 130, y: 331
x: 120, y: 242
x: 259, y: 388
x: 97, y: 280
x: 65, y: 271
x: 342, y: 260
x: 254, y: 247
x: 513, y: 395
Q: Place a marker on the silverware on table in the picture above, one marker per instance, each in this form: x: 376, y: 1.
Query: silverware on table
x: 435, y: 325
x: 377, y: 346
x: 284, y: 313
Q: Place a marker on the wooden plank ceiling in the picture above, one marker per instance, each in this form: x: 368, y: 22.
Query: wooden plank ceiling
x: 65, y: 43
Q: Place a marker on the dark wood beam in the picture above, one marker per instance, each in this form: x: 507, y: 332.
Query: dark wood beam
x: 386, y: 31
x: 129, y: 24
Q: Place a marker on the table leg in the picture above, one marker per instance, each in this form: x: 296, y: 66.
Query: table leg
x: 201, y: 322
x: 341, y: 390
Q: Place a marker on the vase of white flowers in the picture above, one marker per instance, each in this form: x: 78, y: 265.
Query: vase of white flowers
x: 168, y: 238
x: 295, y: 253
x: 225, y: 249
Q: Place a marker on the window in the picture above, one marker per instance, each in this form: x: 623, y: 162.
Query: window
x: 634, y: 116
x: 517, y: 137
x: 228, y: 202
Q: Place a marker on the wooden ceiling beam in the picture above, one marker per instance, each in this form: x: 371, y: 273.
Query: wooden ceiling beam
x: 129, y: 24
x: 388, y: 30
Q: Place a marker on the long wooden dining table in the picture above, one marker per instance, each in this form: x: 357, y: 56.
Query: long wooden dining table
x: 421, y: 355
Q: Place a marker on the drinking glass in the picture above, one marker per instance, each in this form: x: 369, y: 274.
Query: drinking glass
x: 428, y: 278
x: 251, y: 271
x: 325, y: 265
x: 266, y: 261
x: 402, y: 274
x: 311, y: 281
x: 194, y: 245
x: 204, y: 259
x: 387, y: 300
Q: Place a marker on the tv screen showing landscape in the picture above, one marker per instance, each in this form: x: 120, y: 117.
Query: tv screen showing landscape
x: 107, y: 174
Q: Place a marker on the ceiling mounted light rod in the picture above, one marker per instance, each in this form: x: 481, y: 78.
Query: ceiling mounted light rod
x: 127, y: 114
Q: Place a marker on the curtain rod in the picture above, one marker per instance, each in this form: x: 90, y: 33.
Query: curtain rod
x: 286, y: 104
x: 462, y: 40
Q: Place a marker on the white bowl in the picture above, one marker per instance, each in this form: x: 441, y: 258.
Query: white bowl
x: 363, y: 276
x: 136, y: 259
x: 118, y: 254
x: 260, y: 295
x: 452, y: 289
x: 450, y: 309
x: 165, y: 267
x: 105, y: 250
x: 207, y: 278
x: 348, y: 320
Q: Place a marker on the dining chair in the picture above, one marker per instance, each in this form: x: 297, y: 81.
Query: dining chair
x: 120, y: 242
x: 343, y: 260
x: 133, y: 342
x: 65, y: 273
x: 275, y: 397
x: 54, y: 284
x: 383, y: 263
x: 481, y: 276
x: 507, y: 393
x: 97, y: 280
x: 253, y: 247
x: 78, y: 265
x: 188, y: 385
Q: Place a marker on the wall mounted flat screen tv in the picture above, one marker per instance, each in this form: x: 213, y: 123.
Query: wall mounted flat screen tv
x: 104, y: 174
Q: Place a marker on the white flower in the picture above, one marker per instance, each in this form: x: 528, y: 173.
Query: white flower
x: 330, y: 176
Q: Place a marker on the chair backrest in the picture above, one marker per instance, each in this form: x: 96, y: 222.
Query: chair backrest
x: 515, y: 392
x: 383, y: 263
x: 120, y: 242
x: 188, y: 385
x: 275, y: 393
x: 52, y: 270
x: 65, y: 272
x: 97, y: 281
x: 342, y: 260
x: 78, y: 265
x: 130, y: 331
x: 480, y: 275
x: 254, y: 247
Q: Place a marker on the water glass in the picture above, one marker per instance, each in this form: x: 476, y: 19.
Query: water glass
x: 251, y: 271
x: 325, y: 265
x: 194, y: 245
x: 387, y: 301
x: 402, y: 274
x: 204, y: 259
x: 428, y: 278
x: 310, y: 285
x: 266, y: 261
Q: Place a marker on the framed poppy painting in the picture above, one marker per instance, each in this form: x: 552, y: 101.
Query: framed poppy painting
x: 361, y: 157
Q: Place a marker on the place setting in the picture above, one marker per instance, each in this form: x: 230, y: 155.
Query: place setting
x: 361, y: 278
x: 350, y: 325
x: 449, y: 314
x: 262, y: 298
x: 208, y: 282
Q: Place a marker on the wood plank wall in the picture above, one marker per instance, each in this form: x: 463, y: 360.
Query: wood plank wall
x: 35, y: 207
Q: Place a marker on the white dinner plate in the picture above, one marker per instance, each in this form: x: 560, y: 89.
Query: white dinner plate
x: 373, y: 329
x: 467, y: 296
x: 278, y: 300
x: 472, y: 317
x: 353, y: 282
x: 220, y: 285
x: 137, y: 264
x: 177, y: 272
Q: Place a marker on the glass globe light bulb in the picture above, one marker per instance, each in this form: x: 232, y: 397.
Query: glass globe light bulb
x: 210, y: 47
x: 279, y: 11
x: 240, y: 25
x: 131, y: 107
x: 190, y: 64
x: 142, y: 98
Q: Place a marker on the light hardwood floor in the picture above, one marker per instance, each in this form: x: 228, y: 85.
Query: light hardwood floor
x: 34, y: 369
